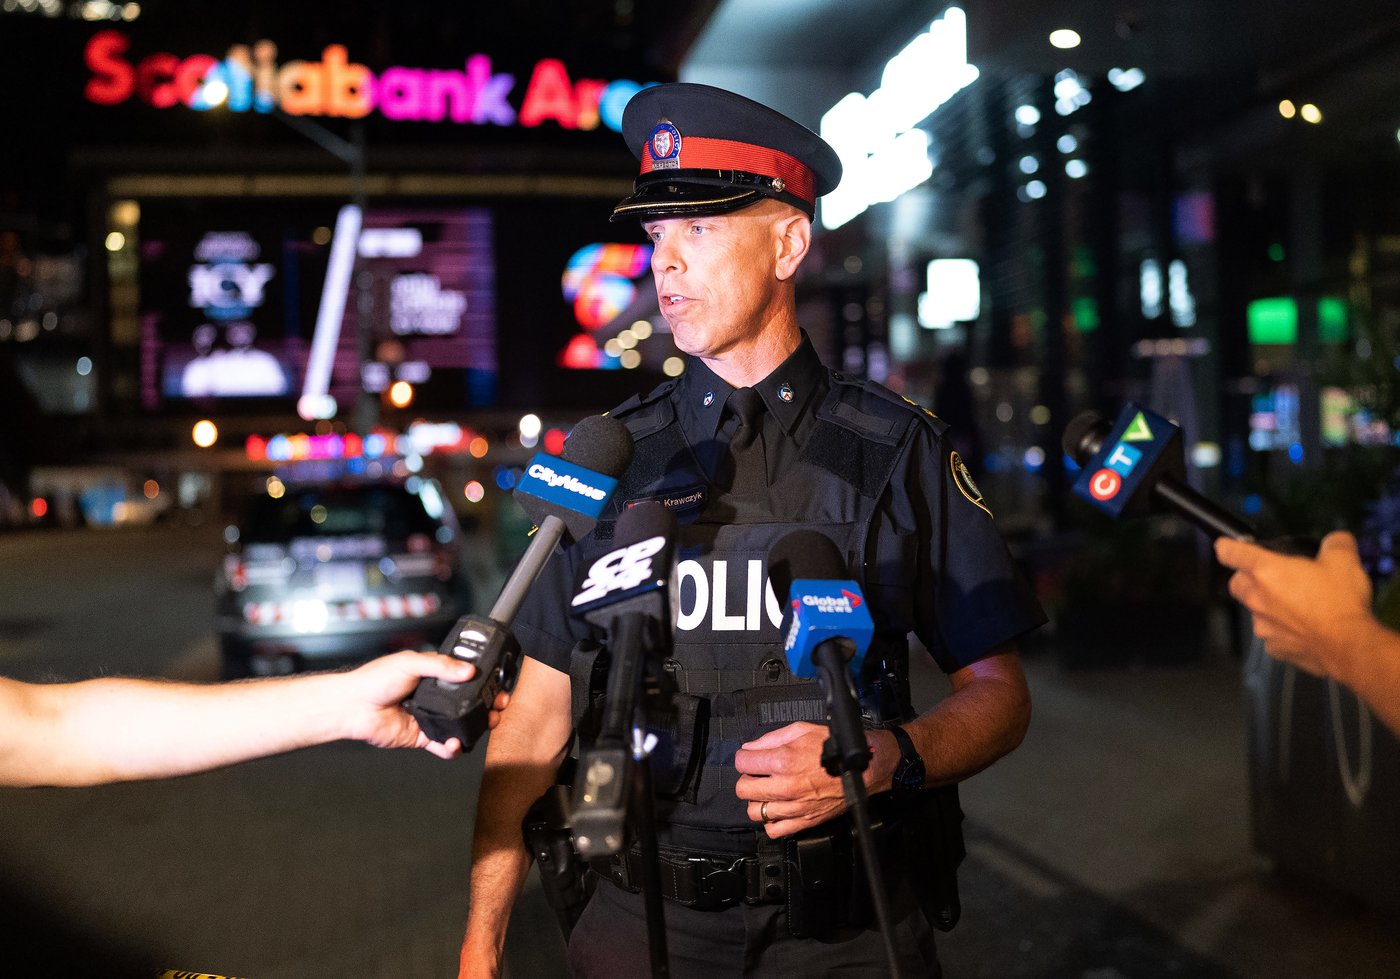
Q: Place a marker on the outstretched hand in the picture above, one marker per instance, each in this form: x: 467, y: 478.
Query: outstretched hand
x: 1306, y: 610
x: 375, y: 692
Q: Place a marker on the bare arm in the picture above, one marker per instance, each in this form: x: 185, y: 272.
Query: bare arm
x: 521, y: 759
x: 113, y: 730
x: 1316, y: 614
x: 984, y: 718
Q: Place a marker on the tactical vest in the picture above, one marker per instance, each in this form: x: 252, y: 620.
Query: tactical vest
x: 728, y: 649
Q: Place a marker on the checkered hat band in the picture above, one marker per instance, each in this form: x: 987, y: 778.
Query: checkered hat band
x: 700, y: 153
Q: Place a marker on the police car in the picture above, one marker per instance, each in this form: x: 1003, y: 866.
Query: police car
x: 323, y: 574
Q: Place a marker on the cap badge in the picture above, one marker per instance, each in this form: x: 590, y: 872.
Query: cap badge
x: 665, y: 145
x: 709, y: 399
x: 778, y: 184
x: 785, y: 392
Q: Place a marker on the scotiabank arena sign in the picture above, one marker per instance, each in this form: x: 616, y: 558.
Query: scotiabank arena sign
x: 249, y: 78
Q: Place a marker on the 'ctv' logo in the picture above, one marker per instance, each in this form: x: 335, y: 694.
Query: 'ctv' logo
x: 1106, y: 483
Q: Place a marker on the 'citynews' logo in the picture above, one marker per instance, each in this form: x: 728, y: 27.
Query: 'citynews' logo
x: 556, y: 480
x: 627, y: 567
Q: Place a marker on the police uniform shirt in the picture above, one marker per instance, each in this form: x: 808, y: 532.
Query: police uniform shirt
x: 935, y: 564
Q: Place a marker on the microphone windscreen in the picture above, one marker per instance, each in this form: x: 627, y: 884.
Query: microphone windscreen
x: 1084, y: 436
x: 804, y: 554
x: 601, y: 444
x: 643, y: 522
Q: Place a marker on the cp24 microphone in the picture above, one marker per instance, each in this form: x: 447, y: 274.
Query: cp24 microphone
x: 624, y: 592
x: 564, y: 495
x: 828, y: 631
x: 1137, y: 466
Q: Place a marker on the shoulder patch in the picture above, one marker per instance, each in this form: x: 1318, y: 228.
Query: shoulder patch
x: 962, y: 478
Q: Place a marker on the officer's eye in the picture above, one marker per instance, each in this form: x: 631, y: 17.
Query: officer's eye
x: 699, y: 229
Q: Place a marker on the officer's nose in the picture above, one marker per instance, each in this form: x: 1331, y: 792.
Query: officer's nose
x: 666, y: 257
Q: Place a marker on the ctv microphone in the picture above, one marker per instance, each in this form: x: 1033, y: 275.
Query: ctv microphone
x: 564, y: 495
x: 828, y: 630
x: 625, y: 592
x: 1137, y: 466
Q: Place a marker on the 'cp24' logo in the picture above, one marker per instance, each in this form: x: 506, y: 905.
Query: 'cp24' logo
x: 626, y: 567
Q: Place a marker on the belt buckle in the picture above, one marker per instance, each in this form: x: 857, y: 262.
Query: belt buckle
x: 721, y: 886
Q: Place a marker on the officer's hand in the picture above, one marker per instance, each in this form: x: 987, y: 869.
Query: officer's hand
x: 783, y: 769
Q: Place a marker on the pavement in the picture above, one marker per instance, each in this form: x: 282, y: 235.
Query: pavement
x: 1113, y: 844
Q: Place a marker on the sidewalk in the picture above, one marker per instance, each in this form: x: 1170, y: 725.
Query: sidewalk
x: 1115, y: 842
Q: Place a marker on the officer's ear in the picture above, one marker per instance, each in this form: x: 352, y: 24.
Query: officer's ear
x: 792, y: 237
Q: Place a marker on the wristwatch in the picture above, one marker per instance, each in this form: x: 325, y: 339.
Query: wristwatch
x: 909, y: 773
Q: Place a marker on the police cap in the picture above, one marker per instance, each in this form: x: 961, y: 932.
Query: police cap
x: 708, y: 151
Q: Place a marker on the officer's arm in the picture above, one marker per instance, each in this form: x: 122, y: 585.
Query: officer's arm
x: 984, y: 718
x: 522, y: 756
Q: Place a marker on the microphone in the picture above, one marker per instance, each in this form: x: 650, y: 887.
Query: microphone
x: 564, y: 495
x: 828, y: 631
x: 1137, y: 466
x: 625, y: 592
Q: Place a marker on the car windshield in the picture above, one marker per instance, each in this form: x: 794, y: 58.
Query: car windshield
x: 389, y: 512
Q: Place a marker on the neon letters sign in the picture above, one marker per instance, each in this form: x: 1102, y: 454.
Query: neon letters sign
x: 250, y: 79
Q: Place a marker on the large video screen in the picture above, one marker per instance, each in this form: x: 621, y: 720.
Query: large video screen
x: 264, y: 299
x: 530, y: 302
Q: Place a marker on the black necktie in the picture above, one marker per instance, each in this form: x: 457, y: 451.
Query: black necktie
x: 745, y: 468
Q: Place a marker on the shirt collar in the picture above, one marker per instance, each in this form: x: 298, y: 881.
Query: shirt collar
x: 786, y: 391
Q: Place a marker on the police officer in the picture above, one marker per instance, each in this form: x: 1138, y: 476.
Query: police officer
x: 756, y: 439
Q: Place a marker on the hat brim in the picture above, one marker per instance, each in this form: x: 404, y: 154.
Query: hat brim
x: 676, y: 198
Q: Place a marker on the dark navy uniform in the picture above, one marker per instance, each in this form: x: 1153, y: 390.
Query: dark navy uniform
x: 848, y: 459
x: 871, y: 471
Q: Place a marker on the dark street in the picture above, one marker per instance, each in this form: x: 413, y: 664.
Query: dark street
x: 1114, y: 842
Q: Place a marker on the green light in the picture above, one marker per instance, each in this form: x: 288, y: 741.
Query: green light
x: 1275, y: 320
x: 1086, y: 314
x: 1276, y: 252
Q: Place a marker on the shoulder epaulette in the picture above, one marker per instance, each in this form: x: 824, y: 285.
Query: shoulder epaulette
x: 644, y: 414
x: 876, y: 411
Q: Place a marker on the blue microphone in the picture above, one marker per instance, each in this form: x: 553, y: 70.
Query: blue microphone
x: 1137, y: 466
x: 828, y: 630
x: 564, y: 496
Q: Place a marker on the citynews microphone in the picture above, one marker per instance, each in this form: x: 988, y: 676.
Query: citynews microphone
x: 564, y: 495
x: 828, y: 629
x: 1136, y: 466
x: 624, y: 592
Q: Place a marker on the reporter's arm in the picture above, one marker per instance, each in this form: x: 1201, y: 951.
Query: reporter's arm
x: 112, y: 729
x: 1316, y: 614
x: 522, y: 756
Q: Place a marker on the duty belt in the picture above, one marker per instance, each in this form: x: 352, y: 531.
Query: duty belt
x: 708, y: 882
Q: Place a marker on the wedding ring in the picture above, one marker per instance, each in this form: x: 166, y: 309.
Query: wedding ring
x: 763, y: 812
